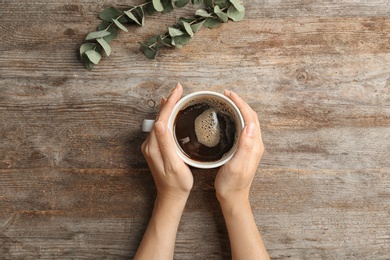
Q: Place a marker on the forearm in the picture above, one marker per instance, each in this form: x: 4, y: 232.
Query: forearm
x: 245, y: 240
x: 159, y: 238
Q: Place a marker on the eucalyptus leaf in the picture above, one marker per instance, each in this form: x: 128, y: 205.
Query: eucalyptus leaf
x: 110, y: 13
x: 238, y: 5
x: 181, y: 3
x: 133, y: 17
x: 158, y: 5
x: 87, y: 63
x: 202, y: 13
x: 113, y: 33
x: 173, y: 32
x: 106, y: 47
x: 212, y: 23
x: 120, y: 26
x: 105, y: 25
x: 97, y: 34
x: 188, y: 20
x: 197, y: 26
x: 141, y: 13
x: 149, y: 9
x: 93, y: 56
x: 86, y: 47
x: 188, y: 29
x: 180, y: 41
x: 150, y: 52
x: 166, y: 41
x: 234, y: 14
x: 221, y: 14
x: 152, y: 41
x: 209, y: 3
x: 168, y: 6
x: 222, y: 3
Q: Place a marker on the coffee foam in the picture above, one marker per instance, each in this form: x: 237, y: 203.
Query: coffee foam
x: 220, y: 104
x: 207, y: 128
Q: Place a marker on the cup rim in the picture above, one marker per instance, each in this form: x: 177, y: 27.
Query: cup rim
x: 176, y: 109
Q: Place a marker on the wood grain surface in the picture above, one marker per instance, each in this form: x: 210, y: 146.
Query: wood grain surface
x: 74, y: 184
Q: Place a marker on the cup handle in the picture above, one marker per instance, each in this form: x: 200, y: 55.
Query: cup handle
x: 147, y: 125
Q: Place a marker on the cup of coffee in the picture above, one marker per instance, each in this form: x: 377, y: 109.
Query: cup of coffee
x: 205, y: 126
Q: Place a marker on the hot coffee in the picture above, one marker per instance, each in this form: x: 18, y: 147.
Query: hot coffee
x: 206, y: 129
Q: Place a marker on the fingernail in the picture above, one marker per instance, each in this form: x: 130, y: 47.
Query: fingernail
x: 159, y: 127
x: 227, y: 92
x: 250, y: 129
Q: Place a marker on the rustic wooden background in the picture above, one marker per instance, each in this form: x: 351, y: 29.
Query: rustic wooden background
x: 74, y: 184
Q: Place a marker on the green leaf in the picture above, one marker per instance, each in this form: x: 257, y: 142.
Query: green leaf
x: 149, y: 9
x: 202, y: 13
x: 196, y: 27
x: 97, y: 34
x: 87, y: 63
x: 168, y: 6
x: 158, y: 5
x: 86, y: 47
x: 110, y: 13
x: 188, y: 20
x: 174, y: 32
x: 113, y: 31
x: 105, y: 46
x: 93, y: 56
x: 133, y: 17
x: 181, y: 3
x: 222, y: 3
x: 221, y: 14
x: 141, y: 13
x: 120, y: 26
x: 234, y: 14
x: 152, y: 41
x: 166, y: 41
x: 238, y: 5
x: 212, y: 23
x: 209, y: 3
x: 188, y: 29
x: 150, y: 52
x: 112, y: 36
x: 196, y: 2
x: 180, y: 41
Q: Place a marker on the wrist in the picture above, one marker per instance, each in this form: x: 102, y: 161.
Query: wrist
x: 174, y: 201
x: 234, y: 203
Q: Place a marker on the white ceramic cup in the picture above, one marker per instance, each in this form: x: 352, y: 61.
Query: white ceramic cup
x: 148, y: 124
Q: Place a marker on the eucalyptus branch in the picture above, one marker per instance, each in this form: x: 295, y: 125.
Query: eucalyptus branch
x: 214, y: 13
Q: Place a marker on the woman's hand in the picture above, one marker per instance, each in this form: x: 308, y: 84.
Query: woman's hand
x: 232, y: 185
x: 234, y: 179
x: 173, y: 180
x: 171, y: 175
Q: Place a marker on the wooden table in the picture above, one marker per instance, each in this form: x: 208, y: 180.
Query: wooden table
x: 74, y: 184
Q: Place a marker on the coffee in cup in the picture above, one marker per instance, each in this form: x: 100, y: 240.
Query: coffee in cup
x: 205, y: 126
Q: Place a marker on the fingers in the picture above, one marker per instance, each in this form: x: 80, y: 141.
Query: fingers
x: 161, y: 136
x: 250, y: 143
x: 166, y: 145
x: 168, y: 105
x: 245, y: 109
